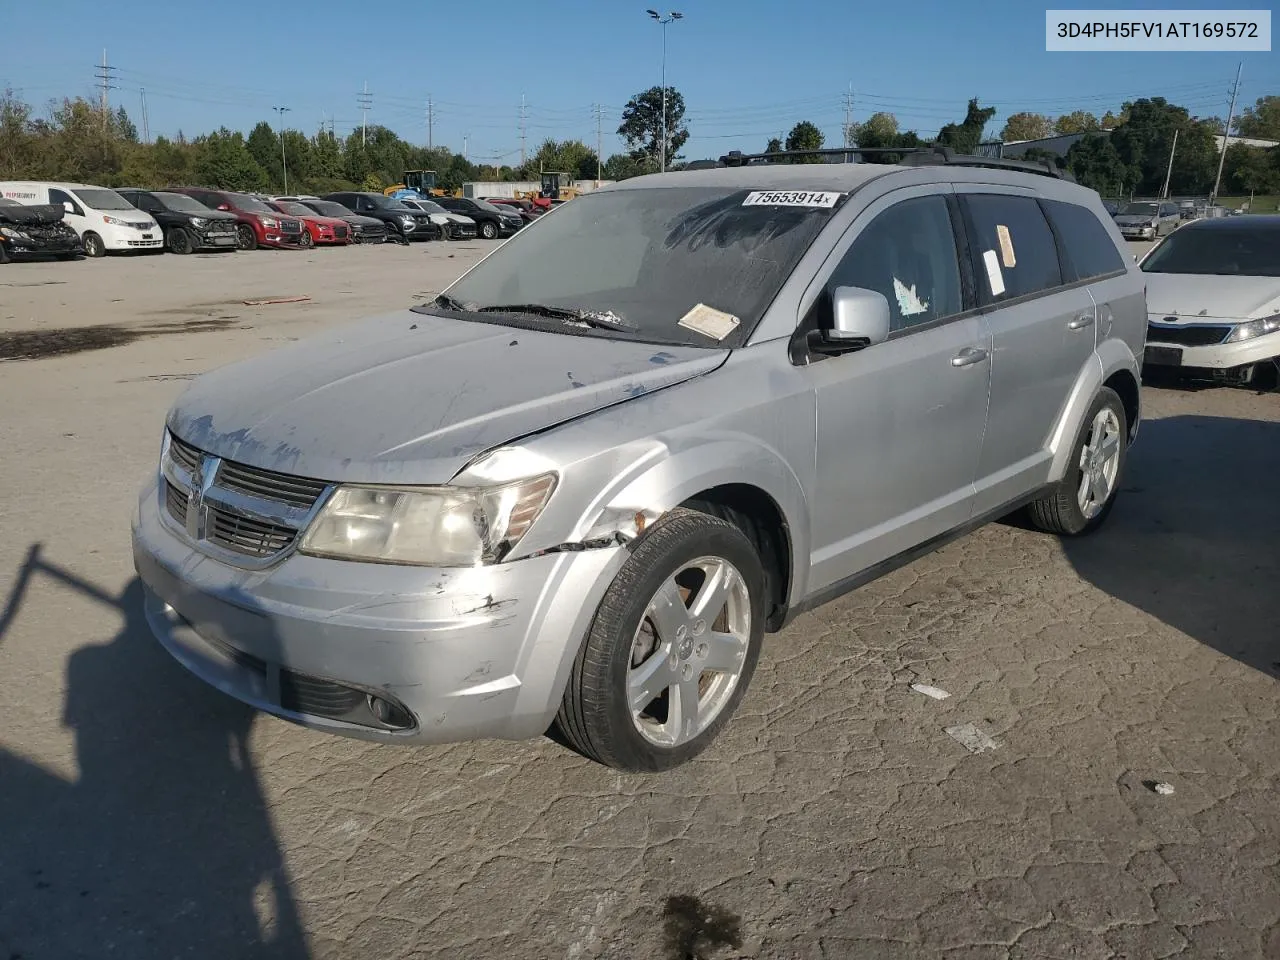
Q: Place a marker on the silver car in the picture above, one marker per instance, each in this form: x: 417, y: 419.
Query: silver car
x: 580, y: 486
x: 1213, y: 300
x: 1148, y: 219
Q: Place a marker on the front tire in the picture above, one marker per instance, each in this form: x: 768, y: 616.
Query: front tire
x: 488, y: 229
x: 1082, y: 500
x: 305, y: 240
x: 246, y: 239
x: 180, y: 241
x: 672, y: 647
x: 93, y: 245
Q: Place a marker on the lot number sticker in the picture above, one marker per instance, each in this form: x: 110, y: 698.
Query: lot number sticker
x: 791, y: 198
x: 709, y: 322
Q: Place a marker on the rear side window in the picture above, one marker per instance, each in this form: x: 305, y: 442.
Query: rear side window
x: 1013, y: 248
x: 1089, y: 249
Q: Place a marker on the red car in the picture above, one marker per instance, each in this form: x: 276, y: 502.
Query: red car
x: 322, y: 230
x: 259, y: 225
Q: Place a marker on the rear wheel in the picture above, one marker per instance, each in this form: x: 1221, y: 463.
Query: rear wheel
x: 1081, y: 501
x: 180, y: 241
x: 93, y: 245
x: 672, y: 648
x: 246, y: 239
x: 488, y: 229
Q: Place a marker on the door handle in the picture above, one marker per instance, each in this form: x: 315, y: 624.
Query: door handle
x: 1082, y: 321
x: 968, y: 357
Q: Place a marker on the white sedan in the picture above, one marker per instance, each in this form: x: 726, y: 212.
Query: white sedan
x: 1213, y: 300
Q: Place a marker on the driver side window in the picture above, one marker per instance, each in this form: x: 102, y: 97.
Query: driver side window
x: 61, y: 198
x: 908, y: 254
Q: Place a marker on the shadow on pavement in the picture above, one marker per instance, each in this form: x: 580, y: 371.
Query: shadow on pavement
x: 163, y: 846
x: 1195, y: 538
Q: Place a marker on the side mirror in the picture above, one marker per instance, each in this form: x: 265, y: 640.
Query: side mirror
x: 859, y: 319
x: 68, y: 206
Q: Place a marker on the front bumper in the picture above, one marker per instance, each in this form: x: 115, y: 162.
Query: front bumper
x: 467, y: 653
x: 60, y: 247
x: 1218, y: 356
x: 1138, y: 233
x: 218, y: 241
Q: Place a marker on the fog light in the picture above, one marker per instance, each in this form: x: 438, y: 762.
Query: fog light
x: 389, y: 714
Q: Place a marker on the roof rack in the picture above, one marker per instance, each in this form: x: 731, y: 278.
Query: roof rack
x: 910, y: 157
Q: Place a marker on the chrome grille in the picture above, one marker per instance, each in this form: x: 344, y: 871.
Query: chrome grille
x: 240, y: 509
x: 340, y: 232
x: 291, y: 226
x: 241, y: 534
x: 297, y: 491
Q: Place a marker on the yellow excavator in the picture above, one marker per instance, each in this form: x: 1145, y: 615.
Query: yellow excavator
x: 422, y: 182
x: 556, y: 186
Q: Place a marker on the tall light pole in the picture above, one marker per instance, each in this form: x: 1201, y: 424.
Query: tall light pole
x: 669, y: 18
x: 284, y: 164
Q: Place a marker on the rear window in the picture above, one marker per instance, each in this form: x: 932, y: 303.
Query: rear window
x: 1089, y: 248
x: 1013, y: 248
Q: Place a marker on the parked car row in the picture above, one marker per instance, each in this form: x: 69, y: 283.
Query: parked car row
x: 40, y: 219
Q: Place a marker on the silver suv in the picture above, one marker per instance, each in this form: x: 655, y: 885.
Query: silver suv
x: 580, y: 486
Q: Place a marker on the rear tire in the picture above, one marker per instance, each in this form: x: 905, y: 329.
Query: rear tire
x: 93, y: 245
x: 657, y: 678
x: 1081, y: 501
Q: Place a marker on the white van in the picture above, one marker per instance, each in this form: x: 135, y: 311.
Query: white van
x: 106, y: 221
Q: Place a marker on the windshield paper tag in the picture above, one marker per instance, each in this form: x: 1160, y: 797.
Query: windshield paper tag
x: 791, y: 198
x: 709, y: 322
x: 1006, y: 246
x: 994, y: 277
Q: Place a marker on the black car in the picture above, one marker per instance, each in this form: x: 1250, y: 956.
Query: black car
x: 187, y: 223
x: 403, y: 223
x: 490, y: 220
x: 363, y: 229
x: 35, y: 231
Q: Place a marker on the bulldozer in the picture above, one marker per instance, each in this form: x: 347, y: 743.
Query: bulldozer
x: 556, y: 186
x: 423, y: 182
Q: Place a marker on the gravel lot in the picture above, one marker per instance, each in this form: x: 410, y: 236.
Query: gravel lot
x: 143, y: 815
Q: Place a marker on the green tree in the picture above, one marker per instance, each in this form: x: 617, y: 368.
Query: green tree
x: 878, y: 130
x: 83, y: 146
x: 1251, y: 169
x: 805, y: 136
x: 1095, y: 163
x: 1078, y: 121
x: 1145, y: 141
x: 124, y: 127
x: 1027, y: 126
x: 568, y: 156
x: 623, y: 166
x: 773, y: 146
x: 964, y: 137
x: 223, y: 160
x: 326, y: 156
x: 1111, y: 120
x: 19, y: 145
x: 641, y: 125
x: 1262, y: 120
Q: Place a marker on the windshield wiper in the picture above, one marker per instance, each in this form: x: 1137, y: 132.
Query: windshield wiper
x: 591, y: 318
x: 452, y: 303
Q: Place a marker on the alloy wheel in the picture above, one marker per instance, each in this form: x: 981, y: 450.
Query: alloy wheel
x: 1099, y: 463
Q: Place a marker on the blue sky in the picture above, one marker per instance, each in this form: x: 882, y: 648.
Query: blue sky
x: 748, y: 69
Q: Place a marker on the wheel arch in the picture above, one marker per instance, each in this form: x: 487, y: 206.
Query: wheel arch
x: 1111, y: 365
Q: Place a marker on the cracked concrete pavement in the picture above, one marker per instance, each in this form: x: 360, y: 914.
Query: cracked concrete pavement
x: 145, y: 815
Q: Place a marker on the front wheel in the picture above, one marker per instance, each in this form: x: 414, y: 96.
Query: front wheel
x: 305, y: 240
x: 672, y: 648
x: 488, y: 229
x: 1080, y: 502
x: 180, y: 241
x: 93, y: 245
x: 246, y: 239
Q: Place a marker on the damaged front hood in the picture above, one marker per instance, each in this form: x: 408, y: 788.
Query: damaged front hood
x: 1206, y: 296
x: 35, y: 213
x: 410, y: 398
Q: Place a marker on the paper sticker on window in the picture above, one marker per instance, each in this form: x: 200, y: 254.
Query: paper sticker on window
x: 995, y: 279
x: 791, y: 198
x: 709, y: 322
x: 1006, y: 246
x: 909, y: 301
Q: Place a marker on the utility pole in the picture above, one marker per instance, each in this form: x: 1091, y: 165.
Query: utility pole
x: 848, y: 120
x: 431, y: 122
x: 599, y: 144
x: 1169, y: 173
x: 365, y: 100
x: 1226, y: 135
x: 522, y: 129
x: 669, y: 18
x: 146, y: 125
x: 284, y: 164
x: 465, y: 138
x: 105, y: 75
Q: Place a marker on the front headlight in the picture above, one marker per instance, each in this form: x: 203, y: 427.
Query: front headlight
x: 13, y: 234
x: 200, y: 222
x: 115, y: 222
x: 269, y: 221
x: 1254, y: 328
x: 434, y: 527
x: 408, y: 221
